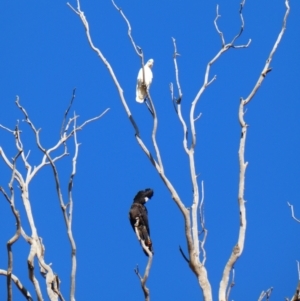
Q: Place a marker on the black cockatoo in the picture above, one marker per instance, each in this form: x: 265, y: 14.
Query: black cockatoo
x: 138, y: 216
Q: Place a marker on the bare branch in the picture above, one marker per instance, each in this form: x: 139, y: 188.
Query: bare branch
x: 198, y: 117
x: 176, y: 69
x: 231, y: 284
x: 192, y: 238
x: 265, y: 294
x: 30, y: 264
x: 204, y: 231
x: 296, y: 296
x: 150, y: 106
x: 80, y: 13
x: 195, y: 265
x: 292, y: 211
x: 37, y: 248
x: 217, y: 28
x: 238, y: 248
x: 7, y: 129
x: 206, y: 77
x: 24, y: 189
x: 211, y: 81
x: 266, y: 68
x: 154, y: 130
x: 231, y: 45
x: 73, y: 9
x: 172, y: 95
x: 89, y: 121
x: 67, y: 111
x: 70, y: 217
x: 242, y: 26
x: 140, y: 53
x: 136, y: 48
x: 18, y: 284
x: 16, y: 236
x: 178, y: 101
x: 143, y: 279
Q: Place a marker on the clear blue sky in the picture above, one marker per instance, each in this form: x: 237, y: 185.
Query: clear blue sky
x: 44, y: 54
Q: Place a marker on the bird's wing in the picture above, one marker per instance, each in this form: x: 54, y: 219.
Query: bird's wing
x: 144, y: 213
x: 148, y: 76
x: 138, y: 210
x: 134, y: 212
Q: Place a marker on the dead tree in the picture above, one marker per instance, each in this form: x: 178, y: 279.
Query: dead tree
x: 22, y: 180
x: 192, y: 213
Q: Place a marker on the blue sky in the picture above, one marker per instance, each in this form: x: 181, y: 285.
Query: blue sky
x: 45, y: 54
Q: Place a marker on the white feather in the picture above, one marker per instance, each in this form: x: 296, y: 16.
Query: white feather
x: 141, y: 92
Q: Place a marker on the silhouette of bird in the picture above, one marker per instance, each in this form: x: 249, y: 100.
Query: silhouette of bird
x: 138, y: 216
x: 144, y: 84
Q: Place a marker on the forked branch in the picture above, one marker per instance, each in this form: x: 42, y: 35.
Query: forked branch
x: 150, y: 106
x: 238, y: 248
x: 265, y: 294
x: 18, y: 284
x: 266, y: 68
x: 37, y: 249
x: 143, y: 279
x: 47, y: 158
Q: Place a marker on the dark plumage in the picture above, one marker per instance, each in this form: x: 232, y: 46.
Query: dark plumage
x: 138, y: 216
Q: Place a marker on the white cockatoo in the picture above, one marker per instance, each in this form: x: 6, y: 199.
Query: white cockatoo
x: 141, y: 92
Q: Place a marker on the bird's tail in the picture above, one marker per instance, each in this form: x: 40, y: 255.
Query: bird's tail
x: 140, y: 93
x: 147, y: 240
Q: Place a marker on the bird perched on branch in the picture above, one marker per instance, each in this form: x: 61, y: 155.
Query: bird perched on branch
x: 144, y: 83
x: 138, y: 216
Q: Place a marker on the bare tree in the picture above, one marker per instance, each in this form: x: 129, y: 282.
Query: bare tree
x: 19, y: 184
x: 195, y: 230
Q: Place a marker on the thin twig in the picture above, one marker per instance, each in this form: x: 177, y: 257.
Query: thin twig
x: 265, y: 294
x: 242, y: 26
x: 207, y: 82
x: 143, y: 279
x: 232, y: 283
x: 292, y: 211
x: 154, y: 130
x: 179, y: 112
x: 7, y: 129
x: 80, y: 13
x: 217, y: 27
x: 183, y: 255
x: 136, y: 48
x: 67, y: 111
x: 266, y: 68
